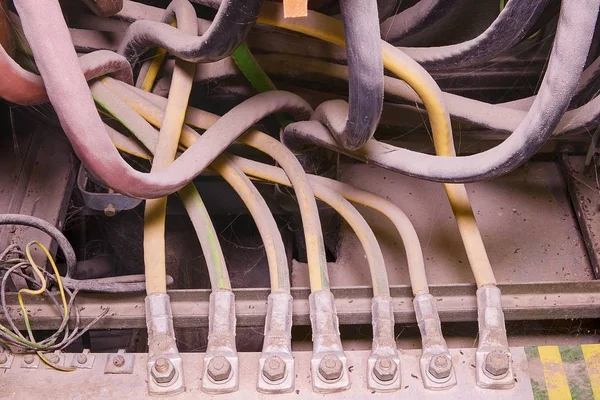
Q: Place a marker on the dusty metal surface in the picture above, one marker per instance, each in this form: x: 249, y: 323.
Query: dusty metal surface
x: 525, y: 217
x: 36, y: 178
x: 583, y: 189
x: 559, y: 300
x: 94, y: 384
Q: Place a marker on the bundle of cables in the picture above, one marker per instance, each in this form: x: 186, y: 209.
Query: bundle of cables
x: 160, y: 127
x: 13, y: 261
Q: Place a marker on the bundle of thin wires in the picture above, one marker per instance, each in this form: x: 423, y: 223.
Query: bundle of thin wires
x: 13, y: 261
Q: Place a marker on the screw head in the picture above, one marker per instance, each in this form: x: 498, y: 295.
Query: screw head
x: 110, y: 210
x: 331, y: 367
x: 54, y: 359
x: 163, y: 371
x: 28, y: 359
x: 440, y: 367
x: 219, y: 368
x: 118, y: 360
x: 3, y: 358
x: 385, y: 369
x: 497, y: 363
x: 274, y: 368
x: 81, y: 358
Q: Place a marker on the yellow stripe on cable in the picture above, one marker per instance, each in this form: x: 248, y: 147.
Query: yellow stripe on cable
x: 331, y: 30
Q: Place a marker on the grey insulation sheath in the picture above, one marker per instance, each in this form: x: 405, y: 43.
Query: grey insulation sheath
x: 414, y: 19
x: 576, y: 25
x: 117, y: 284
x: 25, y: 88
x: 511, y: 26
x: 48, y: 35
x: 502, y: 118
x: 50, y: 230
x: 232, y: 23
x: 365, y: 66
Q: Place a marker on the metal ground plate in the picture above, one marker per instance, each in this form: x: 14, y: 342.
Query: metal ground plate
x: 92, y: 384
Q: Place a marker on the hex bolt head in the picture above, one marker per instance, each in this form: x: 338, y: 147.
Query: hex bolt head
x: 81, y: 358
x: 118, y: 360
x: 3, y: 358
x: 274, y: 368
x: 219, y: 368
x: 440, y: 366
x: 385, y: 369
x: 163, y: 371
x: 28, y: 359
x: 497, y: 363
x: 331, y: 367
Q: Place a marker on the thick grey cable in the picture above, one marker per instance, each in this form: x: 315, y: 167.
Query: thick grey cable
x: 229, y: 28
x: 576, y: 25
x: 365, y: 66
x: 50, y: 230
x: 511, y: 26
x: 49, y: 38
x: 414, y: 19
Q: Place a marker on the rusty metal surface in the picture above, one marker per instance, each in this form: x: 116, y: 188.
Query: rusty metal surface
x: 559, y: 300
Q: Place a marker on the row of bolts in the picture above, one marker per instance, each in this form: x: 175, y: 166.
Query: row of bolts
x: 330, y: 367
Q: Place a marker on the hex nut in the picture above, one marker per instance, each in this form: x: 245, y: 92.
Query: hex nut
x: 163, y: 371
x: 219, y: 369
x: 440, y: 366
x: 497, y: 363
x: 118, y: 361
x: 3, y: 358
x: 385, y: 369
x: 331, y: 367
x: 274, y: 369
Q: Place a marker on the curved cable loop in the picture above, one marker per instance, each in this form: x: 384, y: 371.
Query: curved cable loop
x: 576, y: 25
x: 25, y: 88
x: 229, y: 28
x: 511, y: 26
x: 365, y: 65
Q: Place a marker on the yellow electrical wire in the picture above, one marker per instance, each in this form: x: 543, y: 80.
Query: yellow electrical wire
x: 39, y: 291
x: 263, y: 142
x: 331, y: 30
x: 317, y: 263
x: 268, y: 229
x: 153, y: 69
x: 416, y: 264
x: 156, y: 209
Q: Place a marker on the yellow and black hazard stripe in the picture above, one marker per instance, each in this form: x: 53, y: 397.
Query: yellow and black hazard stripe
x: 565, y: 372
